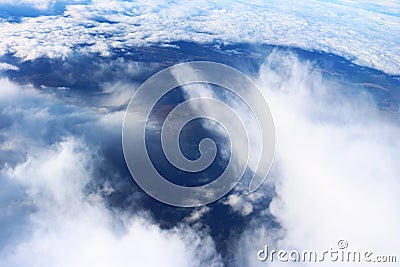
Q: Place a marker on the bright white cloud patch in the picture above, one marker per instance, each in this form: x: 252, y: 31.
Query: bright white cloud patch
x: 41, y: 5
x: 365, y: 32
x: 38, y: 4
x: 6, y: 66
x: 239, y: 205
x: 336, y: 171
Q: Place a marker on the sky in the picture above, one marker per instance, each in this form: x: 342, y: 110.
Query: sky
x: 68, y: 70
x: 364, y: 32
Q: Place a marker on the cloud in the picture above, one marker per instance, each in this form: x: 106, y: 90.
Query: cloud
x: 237, y: 107
x: 6, y: 66
x: 239, y: 205
x: 350, y: 192
x: 55, y: 218
x: 197, y: 214
x: 72, y: 228
x: 40, y: 5
x: 336, y: 174
x: 102, y: 27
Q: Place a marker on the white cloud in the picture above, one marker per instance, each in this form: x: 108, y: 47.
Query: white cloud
x: 336, y: 172
x: 66, y: 224
x: 38, y: 4
x: 197, y: 214
x: 366, y: 33
x: 6, y: 66
x: 41, y: 5
x: 71, y: 228
x: 239, y: 205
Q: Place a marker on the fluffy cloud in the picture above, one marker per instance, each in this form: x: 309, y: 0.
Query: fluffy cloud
x: 54, y: 218
x: 349, y: 193
x: 72, y: 228
x: 239, y: 205
x: 6, y: 66
x: 336, y: 173
x: 339, y: 27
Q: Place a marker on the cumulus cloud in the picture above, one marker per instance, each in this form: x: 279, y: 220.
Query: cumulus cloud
x: 336, y: 172
x: 71, y: 228
x: 334, y: 150
x: 239, y: 109
x: 54, y: 218
x: 102, y: 26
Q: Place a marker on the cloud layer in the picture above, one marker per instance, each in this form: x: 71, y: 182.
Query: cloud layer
x: 336, y: 173
x: 367, y: 33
